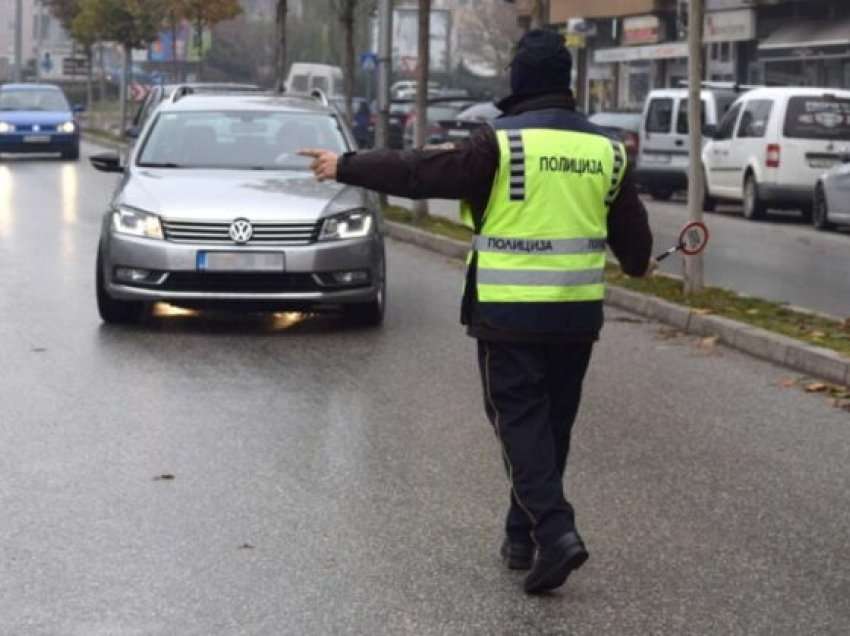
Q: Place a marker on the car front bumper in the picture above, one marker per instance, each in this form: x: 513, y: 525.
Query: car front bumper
x: 306, y: 282
x: 52, y: 142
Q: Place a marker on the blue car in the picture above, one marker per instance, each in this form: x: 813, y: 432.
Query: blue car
x: 38, y: 118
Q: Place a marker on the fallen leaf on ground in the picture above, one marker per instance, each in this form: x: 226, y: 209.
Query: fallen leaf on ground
x: 666, y: 333
x: 38, y: 349
x: 164, y: 477
x: 846, y: 324
x: 703, y: 312
x: 708, y: 343
x: 787, y: 383
x: 818, y: 334
x: 246, y: 546
x: 752, y: 312
x: 816, y: 387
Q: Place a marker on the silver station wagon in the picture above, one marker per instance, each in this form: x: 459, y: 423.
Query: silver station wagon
x: 216, y: 209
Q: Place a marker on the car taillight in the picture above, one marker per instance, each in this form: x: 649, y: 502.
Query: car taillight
x: 773, y: 155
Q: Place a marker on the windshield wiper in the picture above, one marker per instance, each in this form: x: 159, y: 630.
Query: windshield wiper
x: 159, y: 165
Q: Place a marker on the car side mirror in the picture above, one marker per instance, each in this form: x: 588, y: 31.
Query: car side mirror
x: 133, y: 132
x: 709, y: 131
x: 107, y: 162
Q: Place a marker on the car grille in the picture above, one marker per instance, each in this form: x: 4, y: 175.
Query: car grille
x: 265, y: 233
x: 240, y: 283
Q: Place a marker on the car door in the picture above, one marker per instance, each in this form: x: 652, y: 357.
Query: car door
x: 681, y: 138
x: 749, y: 142
x: 658, y: 142
x: 837, y: 190
x: 718, y: 164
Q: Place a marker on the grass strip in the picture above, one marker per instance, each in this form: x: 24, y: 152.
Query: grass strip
x: 772, y: 316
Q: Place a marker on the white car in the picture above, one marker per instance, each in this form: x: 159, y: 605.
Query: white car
x: 773, y: 145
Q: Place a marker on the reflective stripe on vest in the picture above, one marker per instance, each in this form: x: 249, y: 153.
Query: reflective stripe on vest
x: 543, y: 234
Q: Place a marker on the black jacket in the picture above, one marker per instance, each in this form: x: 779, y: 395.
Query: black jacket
x: 466, y: 171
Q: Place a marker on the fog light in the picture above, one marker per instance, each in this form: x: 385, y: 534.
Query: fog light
x: 132, y: 275
x: 357, y: 277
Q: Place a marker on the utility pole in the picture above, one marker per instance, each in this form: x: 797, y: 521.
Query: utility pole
x: 19, y: 40
x: 696, y: 179
x: 385, y: 65
x: 539, y: 14
x: 420, y: 206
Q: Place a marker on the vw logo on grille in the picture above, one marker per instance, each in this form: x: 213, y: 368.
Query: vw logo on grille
x: 241, y: 231
x: 36, y: 128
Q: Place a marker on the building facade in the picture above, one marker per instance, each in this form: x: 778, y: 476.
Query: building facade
x: 628, y: 47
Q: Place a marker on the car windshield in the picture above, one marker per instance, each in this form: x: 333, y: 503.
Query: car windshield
x: 33, y: 99
x: 818, y: 117
x: 480, y: 112
x: 626, y: 121
x: 440, y: 113
x: 239, y: 140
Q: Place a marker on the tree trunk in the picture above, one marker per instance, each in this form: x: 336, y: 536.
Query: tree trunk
x: 348, y: 62
x: 102, y: 71
x: 280, y: 46
x: 696, y: 179
x: 199, y: 30
x: 90, y: 78
x: 175, y: 63
x: 420, y: 208
x: 125, y: 84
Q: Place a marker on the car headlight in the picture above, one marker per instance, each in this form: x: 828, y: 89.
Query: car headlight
x: 136, y: 223
x: 348, y: 225
x: 5, y: 128
x: 68, y: 127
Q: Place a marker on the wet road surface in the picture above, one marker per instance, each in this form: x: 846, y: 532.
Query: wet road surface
x: 339, y: 481
x: 781, y: 258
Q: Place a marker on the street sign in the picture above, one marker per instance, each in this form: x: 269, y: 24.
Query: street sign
x: 368, y: 62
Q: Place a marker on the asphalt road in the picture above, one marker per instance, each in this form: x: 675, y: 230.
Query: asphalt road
x: 338, y: 481
x: 781, y: 258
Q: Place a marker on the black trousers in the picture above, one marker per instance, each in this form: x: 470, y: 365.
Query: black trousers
x: 531, y: 395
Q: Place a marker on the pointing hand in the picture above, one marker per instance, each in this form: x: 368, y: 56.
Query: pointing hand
x: 324, y: 163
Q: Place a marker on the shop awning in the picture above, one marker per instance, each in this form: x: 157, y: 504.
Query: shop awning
x: 808, y: 34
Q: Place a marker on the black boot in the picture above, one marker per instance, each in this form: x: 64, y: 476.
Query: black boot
x: 555, y: 563
x: 516, y: 555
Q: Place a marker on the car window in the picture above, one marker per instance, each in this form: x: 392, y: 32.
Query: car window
x: 754, y: 120
x: 440, y: 113
x: 321, y: 83
x: 659, y: 117
x: 238, y: 140
x: 727, y: 124
x: 33, y: 99
x: 300, y: 84
x: 486, y: 111
x: 818, y: 117
x: 339, y: 86
x: 682, y: 118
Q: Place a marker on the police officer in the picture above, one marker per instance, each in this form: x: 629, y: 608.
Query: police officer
x: 545, y: 191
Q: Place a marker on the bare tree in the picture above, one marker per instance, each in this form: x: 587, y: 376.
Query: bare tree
x: 423, y: 68
x: 345, y: 10
x: 280, y: 45
x: 487, y: 32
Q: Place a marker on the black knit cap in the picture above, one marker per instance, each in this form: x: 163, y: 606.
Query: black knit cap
x: 542, y: 64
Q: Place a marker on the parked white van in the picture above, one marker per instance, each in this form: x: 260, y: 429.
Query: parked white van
x: 773, y: 145
x: 662, y: 163
x: 304, y: 77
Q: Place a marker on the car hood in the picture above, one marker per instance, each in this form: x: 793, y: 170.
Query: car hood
x: 219, y: 195
x: 40, y: 117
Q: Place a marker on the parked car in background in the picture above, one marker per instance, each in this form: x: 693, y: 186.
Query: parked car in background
x: 773, y: 146
x: 399, y: 110
x: 624, y: 126
x: 305, y: 77
x: 37, y: 118
x: 438, y: 111
x: 161, y: 92
x: 664, y: 146
x: 831, y: 205
x: 216, y: 208
x: 468, y: 120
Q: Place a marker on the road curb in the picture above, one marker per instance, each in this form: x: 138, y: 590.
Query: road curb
x: 760, y: 343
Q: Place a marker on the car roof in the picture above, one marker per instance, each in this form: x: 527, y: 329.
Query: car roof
x: 795, y: 91
x: 257, y: 102
x: 683, y: 92
x: 30, y: 86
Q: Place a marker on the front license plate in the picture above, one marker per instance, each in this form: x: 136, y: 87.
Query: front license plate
x: 821, y: 164
x: 241, y: 262
x: 459, y: 133
x: 656, y: 157
x: 37, y: 139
